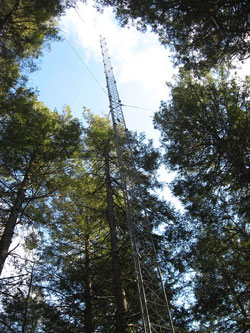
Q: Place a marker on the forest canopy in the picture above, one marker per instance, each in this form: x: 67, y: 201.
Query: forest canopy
x: 66, y: 260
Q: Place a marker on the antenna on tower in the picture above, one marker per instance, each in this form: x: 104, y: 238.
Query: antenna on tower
x: 156, y: 316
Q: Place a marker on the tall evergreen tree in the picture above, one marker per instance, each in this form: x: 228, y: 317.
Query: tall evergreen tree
x: 35, y: 146
x: 100, y: 138
x: 205, y: 134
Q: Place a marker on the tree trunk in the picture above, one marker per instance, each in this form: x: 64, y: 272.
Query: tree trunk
x: 11, y: 222
x: 120, y: 294
x: 88, y: 285
x: 26, y: 304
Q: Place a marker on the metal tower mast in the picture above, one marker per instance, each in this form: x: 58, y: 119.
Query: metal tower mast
x: 156, y: 317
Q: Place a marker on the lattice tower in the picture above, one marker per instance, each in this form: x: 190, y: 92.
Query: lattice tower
x: 156, y: 317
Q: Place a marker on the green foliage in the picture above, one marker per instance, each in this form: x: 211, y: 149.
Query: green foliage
x: 29, y: 130
x: 205, y: 133
x: 32, y: 137
x: 205, y: 129
x: 36, y: 145
x: 25, y: 27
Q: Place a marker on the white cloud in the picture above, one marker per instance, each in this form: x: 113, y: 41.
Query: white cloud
x: 136, y: 57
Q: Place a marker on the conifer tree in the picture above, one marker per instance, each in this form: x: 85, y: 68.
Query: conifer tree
x: 35, y: 146
x: 205, y: 135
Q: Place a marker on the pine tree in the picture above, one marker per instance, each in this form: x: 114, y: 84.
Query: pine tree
x: 205, y: 134
x: 35, y: 146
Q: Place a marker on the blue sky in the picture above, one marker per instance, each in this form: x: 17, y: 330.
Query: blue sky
x: 141, y: 67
